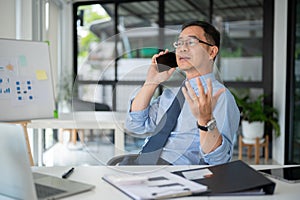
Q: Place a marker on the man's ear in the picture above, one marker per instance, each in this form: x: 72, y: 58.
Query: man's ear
x: 213, y: 52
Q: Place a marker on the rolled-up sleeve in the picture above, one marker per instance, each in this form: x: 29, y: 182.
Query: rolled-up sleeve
x: 140, y: 122
x: 220, y: 155
x: 227, y: 116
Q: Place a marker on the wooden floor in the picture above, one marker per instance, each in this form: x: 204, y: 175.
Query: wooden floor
x: 97, y: 150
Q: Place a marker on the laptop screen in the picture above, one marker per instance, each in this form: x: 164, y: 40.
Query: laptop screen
x: 17, y: 179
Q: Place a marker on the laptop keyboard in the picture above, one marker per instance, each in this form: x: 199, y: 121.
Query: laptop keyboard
x: 44, y: 191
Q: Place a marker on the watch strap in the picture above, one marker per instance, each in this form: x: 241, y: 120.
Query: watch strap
x: 202, y: 128
x: 209, y: 126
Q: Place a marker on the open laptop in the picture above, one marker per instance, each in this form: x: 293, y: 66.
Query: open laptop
x: 16, y: 178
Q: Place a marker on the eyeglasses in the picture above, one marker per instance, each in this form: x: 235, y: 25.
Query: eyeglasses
x: 191, y: 41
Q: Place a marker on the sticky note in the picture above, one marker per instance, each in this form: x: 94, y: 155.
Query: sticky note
x: 10, y: 67
x: 41, y: 75
x: 22, y: 60
x: 197, y: 174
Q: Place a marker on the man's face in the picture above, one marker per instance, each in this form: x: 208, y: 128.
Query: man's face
x: 191, y: 54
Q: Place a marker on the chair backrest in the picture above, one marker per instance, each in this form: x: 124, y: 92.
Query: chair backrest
x: 80, y: 105
x: 117, y: 159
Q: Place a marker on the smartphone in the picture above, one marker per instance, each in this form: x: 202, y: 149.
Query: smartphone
x: 166, y: 61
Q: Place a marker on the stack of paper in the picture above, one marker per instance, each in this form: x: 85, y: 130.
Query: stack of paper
x: 156, y: 185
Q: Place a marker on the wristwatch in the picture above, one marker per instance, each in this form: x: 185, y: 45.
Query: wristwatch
x: 211, y: 125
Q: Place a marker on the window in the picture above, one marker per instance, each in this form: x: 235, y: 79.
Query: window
x: 115, y: 42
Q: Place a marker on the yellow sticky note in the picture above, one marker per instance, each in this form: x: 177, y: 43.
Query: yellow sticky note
x: 41, y: 75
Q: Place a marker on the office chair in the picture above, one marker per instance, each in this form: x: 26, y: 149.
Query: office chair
x: 117, y: 159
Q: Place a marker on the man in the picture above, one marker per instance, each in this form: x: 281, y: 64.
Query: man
x: 209, y: 118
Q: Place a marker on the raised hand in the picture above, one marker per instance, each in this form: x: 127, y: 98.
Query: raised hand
x: 201, y: 106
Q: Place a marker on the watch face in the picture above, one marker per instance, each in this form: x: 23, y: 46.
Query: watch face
x: 211, y: 125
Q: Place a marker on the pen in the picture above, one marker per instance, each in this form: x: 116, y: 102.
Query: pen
x: 68, y: 173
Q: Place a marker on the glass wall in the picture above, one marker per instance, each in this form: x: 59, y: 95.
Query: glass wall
x: 241, y: 52
x: 116, y: 42
x: 240, y: 59
x: 93, y: 55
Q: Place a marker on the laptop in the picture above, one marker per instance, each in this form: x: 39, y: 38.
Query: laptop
x: 18, y: 181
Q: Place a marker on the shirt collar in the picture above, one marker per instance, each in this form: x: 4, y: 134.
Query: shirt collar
x: 203, y: 79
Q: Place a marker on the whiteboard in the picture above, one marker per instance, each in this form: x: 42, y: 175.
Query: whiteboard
x: 26, y: 85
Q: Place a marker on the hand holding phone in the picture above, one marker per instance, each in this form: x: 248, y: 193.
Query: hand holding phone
x: 166, y: 61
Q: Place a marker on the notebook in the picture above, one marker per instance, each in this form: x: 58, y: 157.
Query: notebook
x: 230, y: 179
x: 154, y: 185
x: 18, y: 181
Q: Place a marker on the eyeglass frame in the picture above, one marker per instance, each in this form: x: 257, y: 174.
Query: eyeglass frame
x: 194, y: 37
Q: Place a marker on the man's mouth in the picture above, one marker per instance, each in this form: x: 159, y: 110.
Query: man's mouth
x: 184, y: 58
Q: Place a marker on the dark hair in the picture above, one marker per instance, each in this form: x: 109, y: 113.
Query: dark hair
x: 211, y: 33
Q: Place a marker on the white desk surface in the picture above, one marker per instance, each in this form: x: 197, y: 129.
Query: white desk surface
x: 103, y: 190
x: 85, y: 120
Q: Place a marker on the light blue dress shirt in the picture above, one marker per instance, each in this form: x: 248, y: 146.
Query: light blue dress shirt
x: 183, y: 146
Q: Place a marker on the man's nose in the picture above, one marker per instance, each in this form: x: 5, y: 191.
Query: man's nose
x: 184, y: 46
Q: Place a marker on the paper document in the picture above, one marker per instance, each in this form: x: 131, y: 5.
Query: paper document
x: 157, y: 185
x: 197, y: 174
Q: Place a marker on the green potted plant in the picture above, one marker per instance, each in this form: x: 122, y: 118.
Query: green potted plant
x: 65, y: 93
x: 256, y: 113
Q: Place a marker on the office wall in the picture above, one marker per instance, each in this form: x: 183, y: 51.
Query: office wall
x: 52, y: 34
x: 16, y: 22
x: 16, y: 19
x: 7, y: 23
x: 279, y: 76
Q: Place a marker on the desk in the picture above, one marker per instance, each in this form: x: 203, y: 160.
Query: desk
x: 103, y: 190
x: 83, y: 120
